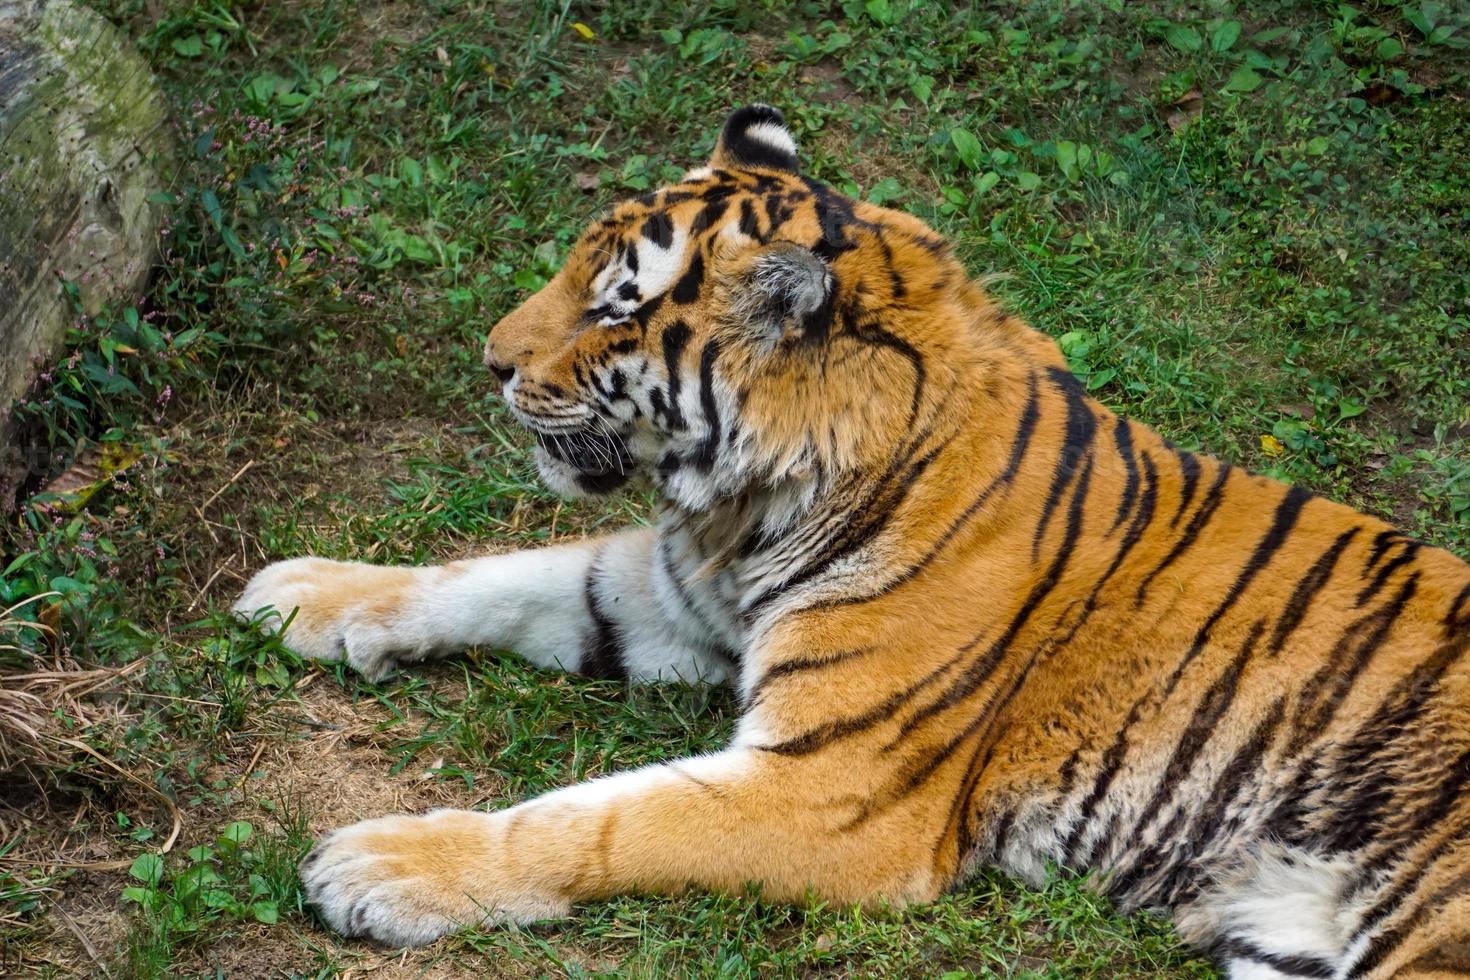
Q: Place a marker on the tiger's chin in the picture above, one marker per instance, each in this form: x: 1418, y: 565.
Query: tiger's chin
x: 568, y: 480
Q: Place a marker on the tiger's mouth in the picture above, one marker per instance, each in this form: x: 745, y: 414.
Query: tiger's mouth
x: 599, y: 458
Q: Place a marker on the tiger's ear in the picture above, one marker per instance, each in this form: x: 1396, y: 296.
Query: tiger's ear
x: 783, y: 292
x: 755, y: 136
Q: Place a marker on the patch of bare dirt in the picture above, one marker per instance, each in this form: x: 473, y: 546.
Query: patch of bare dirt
x: 321, y: 754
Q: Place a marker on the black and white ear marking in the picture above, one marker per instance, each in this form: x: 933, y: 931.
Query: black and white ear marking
x: 756, y: 136
x: 786, y: 294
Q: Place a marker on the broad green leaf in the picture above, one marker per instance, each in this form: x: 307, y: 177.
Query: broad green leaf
x: 1183, y: 37
x: 879, y: 10
x: 1243, y: 79
x: 188, y: 47
x: 885, y: 190
x: 237, y: 833
x: 211, y: 207
x: 143, y: 896
x: 968, y: 147
x: 1388, y: 49
x: 1067, y: 158
x: 147, y: 868
x: 1225, y: 36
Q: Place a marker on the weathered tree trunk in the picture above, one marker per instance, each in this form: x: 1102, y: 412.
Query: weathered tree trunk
x: 83, y: 145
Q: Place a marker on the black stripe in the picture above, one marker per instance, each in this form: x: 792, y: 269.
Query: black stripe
x: 645, y: 312
x: 1382, y: 541
x: 676, y: 337
x: 1371, y: 765
x: 686, y: 290
x: 1136, y: 528
x: 1191, y: 532
x: 896, y: 285
x: 1002, y: 829
x: 1411, y: 549
x: 1295, y: 965
x: 1212, y: 706
x: 602, y: 650
x: 1307, y: 589
x: 1459, y: 615
x: 798, y: 665
x: 1282, y: 524
x: 1079, y: 433
x: 749, y: 224
x: 979, y: 672
x: 1123, y: 436
x: 1107, y: 770
x: 871, y: 514
x: 823, y: 735
x: 1389, y: 940
x: 1337, y: 676
x: 704, y: 454
x: 1189, y: 468
x: 871, y: 333
x: 835, y: 216
x: 708, y: 215
x: 1361, y: 817
x: 659, y: 229
x: 777, y: 214
x: 960, y: 808
x: 1183, y: 883
x: 1315, y: 711
x: 1024, y: 431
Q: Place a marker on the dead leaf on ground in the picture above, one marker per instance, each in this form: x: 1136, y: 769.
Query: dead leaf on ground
x: 1186, y: 108
x: 82, y: 479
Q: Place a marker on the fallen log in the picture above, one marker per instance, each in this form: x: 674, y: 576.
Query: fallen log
x: 83, y: 150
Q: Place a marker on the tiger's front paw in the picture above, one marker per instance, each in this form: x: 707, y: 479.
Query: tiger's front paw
x: 406, y: 881
x: 343, y: 610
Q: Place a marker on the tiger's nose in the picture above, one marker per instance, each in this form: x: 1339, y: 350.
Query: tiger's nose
x: 502, y: 371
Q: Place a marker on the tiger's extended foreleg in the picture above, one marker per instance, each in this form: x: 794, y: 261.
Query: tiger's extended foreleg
x: 716, y: 822
x: 598, y: 607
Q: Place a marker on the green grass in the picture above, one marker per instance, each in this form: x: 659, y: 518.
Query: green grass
x: 1247, y: 224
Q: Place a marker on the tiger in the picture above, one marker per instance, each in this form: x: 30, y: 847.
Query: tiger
x: 972, y: 617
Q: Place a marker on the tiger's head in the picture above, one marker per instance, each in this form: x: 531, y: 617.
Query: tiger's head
x: 743, y: 326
